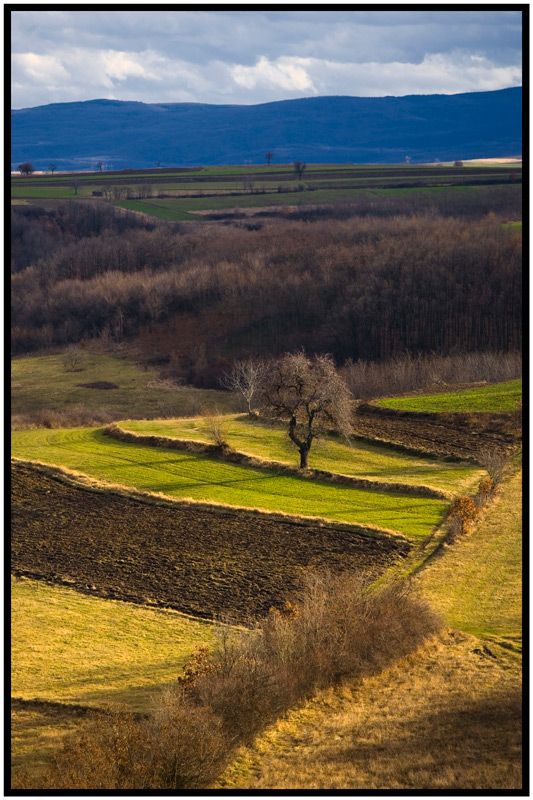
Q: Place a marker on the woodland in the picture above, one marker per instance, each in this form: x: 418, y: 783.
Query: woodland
x: 368, y: 280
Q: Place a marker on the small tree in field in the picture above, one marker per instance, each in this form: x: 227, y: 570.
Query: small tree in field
x: 26, y: 168
x: 299, y: 167
x: 245, y: 379
x: 269, y: 155
x: 310, y: 395
x: 52, y: 168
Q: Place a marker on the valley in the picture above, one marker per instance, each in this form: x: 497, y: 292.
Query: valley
x: 158, y: 527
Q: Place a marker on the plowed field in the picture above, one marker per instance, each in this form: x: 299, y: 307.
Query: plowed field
x: 445, y: 440
x: 198, y: 560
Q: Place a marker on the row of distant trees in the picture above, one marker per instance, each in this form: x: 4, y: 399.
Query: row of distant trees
x: 27, y: 168
x: 299, y: 166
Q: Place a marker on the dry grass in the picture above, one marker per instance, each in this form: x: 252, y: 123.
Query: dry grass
x: 72, y: 648
x: 444, y: 718
x: 476, y: 583
x: 447, y: 717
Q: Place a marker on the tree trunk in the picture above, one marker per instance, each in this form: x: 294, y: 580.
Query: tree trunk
x: 304, y: 454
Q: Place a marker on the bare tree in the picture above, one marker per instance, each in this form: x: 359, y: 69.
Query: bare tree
x: 309, y: 394
x: 299, y: 167
x: 248, y: 183
x: 26, y: 168
x: 100, y: 165
x: 52, y: 168
x: 246, y: 379
x: 216, y: 427
x: 73, y: 359
x: 269, y: 155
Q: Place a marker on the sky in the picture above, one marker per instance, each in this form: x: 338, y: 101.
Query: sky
x: 258, y: 56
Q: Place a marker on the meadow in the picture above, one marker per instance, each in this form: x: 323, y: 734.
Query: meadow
x: 492, y: 398
x: 186, y: 475
x: 45, y: 392
x: 371, y: 461
x: 71, y: 648
x: 423, y: 722
x: 165, y: 193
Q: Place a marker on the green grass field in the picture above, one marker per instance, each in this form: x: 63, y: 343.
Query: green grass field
x: 174, y: 208
x: 495, y: 397
x: 370, y: 461
x: 182, y: 474
x: 73, y: 648
x: 42, y: 382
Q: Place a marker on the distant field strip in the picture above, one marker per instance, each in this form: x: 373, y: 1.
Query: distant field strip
x: 188, y: 475
x: 495, y: 397
x: 76, y: 649
x: 367, y: 461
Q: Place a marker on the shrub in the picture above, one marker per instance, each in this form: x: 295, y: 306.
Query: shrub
x: 494, y: 459
x: 73, y: 359
x: 461, y: 516
x: 216, y: 428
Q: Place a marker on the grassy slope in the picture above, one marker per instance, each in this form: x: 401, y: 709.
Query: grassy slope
x: 72, y: 648
x: 484, y: 570
x: 445, y: 717
x: 186, y: 475
x: 42, y: 382
x: 369, y: 461
x: 495, y: 397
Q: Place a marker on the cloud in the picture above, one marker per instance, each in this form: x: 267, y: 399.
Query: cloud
x: 255, y: 56
x: 288, y: 74
x: 437, y: 73
x: 42, y: 69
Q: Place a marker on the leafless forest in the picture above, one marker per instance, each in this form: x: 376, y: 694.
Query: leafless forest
x: 366, y: 282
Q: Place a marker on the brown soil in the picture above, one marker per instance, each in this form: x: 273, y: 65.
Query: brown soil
x: 456, y: 436
x: 204, y: 561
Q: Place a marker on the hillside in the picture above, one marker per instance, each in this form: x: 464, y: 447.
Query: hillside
x: 315, y: 130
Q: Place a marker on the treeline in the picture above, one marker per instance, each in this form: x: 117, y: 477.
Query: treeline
x: 504, y: 201
x: 39, y: 234
x: 407, y: 373
x: 363, y: 288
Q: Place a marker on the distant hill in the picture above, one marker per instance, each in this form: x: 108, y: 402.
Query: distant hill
x: 315, y: 130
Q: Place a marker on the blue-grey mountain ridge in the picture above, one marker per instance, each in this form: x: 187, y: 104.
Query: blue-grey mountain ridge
x: 327, y: 130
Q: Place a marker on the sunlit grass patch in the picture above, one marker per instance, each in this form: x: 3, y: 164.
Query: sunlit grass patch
x: 375, y: 462
x: 442, y: 718
x: 477, y: 583
x: 72, y: 648
x: 495, y: 397
x: 186, y: 475
x: 43, y: 383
